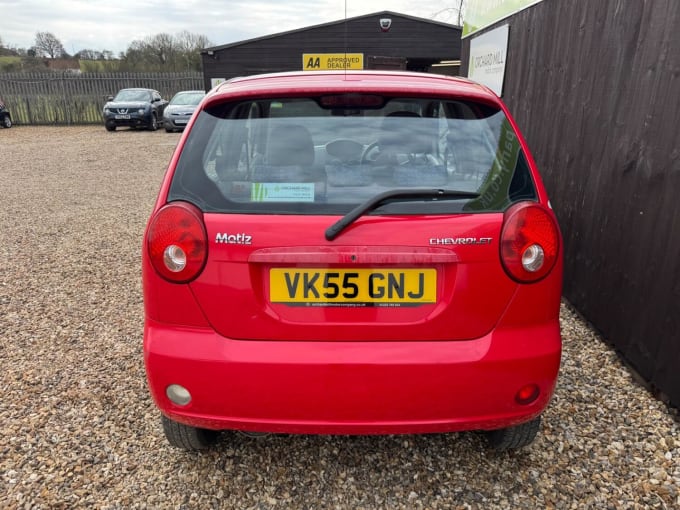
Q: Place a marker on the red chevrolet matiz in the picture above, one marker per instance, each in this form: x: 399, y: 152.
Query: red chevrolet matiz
x: 352, y: 253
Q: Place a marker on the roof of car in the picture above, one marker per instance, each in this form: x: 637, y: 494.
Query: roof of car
x: 383, y: 82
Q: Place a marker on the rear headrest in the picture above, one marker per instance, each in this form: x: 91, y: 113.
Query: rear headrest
x: 290, y: 145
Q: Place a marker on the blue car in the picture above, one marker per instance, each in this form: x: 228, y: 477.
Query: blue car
x: 134, y: 108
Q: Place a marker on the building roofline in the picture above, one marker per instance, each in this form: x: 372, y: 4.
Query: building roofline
x: 327, y: 24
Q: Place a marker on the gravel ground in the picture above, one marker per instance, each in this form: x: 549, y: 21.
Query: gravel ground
x: 79, y: 429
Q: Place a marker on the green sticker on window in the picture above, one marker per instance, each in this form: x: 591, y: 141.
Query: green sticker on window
x: 282, y: 192
x: 493, y: 194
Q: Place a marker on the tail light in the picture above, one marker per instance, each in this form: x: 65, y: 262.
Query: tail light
x: 177, y: 242
x: 530, y: 242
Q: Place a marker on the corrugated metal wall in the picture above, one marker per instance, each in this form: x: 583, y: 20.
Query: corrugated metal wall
x: 595, y: 87
x: 420, y: 42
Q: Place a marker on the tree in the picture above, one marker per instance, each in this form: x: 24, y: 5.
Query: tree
x: 162, y: 48
x: 86, y: 54
x: 47, y: 45
x: 189, y: 46
x: 163, y: 52
x: 5, y: 51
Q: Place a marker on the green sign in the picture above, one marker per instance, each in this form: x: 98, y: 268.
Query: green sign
x: 493, y: 194
x: 480, y: 14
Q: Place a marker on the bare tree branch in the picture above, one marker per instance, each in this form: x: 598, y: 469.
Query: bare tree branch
x: 47, y: 45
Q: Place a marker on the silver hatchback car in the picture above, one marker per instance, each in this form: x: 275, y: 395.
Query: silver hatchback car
x: 181, y: 107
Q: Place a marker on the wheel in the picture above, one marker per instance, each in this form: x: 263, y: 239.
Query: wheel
x: 154, y: 123
x: 514, y: 437
x: 7, y: 122
x: 169, y: 130
x: 370, y: 148
x: 187, y: 437
x: 110, y: 126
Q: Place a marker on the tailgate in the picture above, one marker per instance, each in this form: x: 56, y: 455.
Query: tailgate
x: 276, y: 277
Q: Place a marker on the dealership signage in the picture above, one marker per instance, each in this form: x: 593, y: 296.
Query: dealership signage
x: 332, y: 61
x: 480, y: 14
x: 214, y: 82
x: 488, y: 53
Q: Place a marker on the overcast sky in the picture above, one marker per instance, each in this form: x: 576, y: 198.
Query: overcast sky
x: 113, y: 24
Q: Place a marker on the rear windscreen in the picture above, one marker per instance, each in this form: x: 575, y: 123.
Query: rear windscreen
x: 326, y: 155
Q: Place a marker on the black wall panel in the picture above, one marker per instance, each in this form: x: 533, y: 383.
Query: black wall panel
x: 595, y: 87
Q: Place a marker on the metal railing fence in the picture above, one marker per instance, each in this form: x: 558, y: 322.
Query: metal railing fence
x: 64, y: 98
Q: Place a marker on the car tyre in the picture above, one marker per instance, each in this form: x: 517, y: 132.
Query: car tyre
x: 110, y: 126
x: 186, y: 437
x: 154, y: 123
x: 169, y: 130
x: 514, y: 437
x: 7, y: 122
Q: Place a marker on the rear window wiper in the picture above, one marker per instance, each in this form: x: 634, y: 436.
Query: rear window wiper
x: 394, y: 195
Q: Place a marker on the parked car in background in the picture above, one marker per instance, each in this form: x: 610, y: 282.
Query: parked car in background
x: 321, y: 259
x: 178, y: 112
x: 134, y: 108
x: 5, y: 117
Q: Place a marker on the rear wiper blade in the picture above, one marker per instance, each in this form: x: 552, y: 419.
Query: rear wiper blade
x: 394, y: 195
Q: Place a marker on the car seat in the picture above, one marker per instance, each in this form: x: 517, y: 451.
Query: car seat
x: 289, y: 157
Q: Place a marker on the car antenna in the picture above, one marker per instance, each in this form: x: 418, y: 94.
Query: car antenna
x: 345, y: 59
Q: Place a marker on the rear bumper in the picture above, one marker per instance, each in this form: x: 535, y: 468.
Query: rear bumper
x: 175, y: 122
x: 135, y: 120
x: 351, y: 387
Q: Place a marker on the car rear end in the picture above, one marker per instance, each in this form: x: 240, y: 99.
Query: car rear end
x: 359, y: 253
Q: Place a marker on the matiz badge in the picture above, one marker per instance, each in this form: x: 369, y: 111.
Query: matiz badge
x: 225, y: 238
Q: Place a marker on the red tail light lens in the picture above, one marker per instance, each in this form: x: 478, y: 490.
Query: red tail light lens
x: 530, y: 242
x: 527, y: 394
x: 177, y: 242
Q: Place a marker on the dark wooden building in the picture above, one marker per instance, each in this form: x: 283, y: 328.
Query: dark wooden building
x: 383, y: 39
x: 595, y: 87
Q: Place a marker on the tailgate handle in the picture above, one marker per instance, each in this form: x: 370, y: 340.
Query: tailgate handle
x: 354, y: 255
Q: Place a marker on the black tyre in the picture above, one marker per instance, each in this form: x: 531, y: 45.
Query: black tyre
x: 154, y: 123
x: 110, y: 126
x: 186, y: 437
x: 169, y: 130
x: 514, y: 437
x: 7, y: 122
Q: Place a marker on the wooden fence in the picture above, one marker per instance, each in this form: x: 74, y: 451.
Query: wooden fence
x: 65, y: 98
x: 595, y: 87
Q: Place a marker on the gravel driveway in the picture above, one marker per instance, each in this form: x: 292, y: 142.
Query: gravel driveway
x: 79, y: 429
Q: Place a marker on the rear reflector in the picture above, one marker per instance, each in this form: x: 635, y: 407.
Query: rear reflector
x: 527, y: 394
x: 530, y: 242
x: 177, y: 242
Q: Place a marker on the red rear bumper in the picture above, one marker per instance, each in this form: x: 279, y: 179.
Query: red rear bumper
x: 351, y: 387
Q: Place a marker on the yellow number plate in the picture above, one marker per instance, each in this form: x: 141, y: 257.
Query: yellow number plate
x: 353, y: 287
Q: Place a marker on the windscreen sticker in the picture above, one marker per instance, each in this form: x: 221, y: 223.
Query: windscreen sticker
x: 282, y: 192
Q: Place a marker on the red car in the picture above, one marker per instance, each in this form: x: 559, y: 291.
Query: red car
x: 352, y: 253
